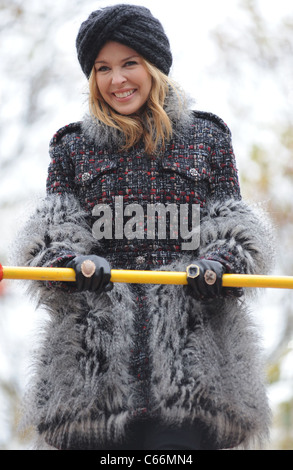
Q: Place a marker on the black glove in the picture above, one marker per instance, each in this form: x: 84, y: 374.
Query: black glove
x: 204, y: 278
x: 93, y: 273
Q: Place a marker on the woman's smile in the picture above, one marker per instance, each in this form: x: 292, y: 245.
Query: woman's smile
x: 122, y: 95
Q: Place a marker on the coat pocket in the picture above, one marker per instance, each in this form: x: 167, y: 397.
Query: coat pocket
x: 187, y: 170
x: 186, y: 177
x: 94, y: 172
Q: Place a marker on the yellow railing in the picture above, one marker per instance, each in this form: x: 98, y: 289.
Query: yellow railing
x: 145, y: 277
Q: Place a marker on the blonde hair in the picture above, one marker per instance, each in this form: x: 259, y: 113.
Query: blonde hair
x: 153, y: 126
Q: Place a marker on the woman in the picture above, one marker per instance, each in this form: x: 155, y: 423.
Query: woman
x: 131, y: 366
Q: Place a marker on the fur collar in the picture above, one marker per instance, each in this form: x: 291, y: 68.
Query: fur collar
x: 176, y: 106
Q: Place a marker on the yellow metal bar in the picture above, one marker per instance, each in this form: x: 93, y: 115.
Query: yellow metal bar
x: 173, y: 277
x: 146, y: 277
x: 38, y: 274
x: 248, y: 280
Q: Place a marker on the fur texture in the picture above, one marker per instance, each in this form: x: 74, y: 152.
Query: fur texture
x: 205, y: 356
x: 176, y: 106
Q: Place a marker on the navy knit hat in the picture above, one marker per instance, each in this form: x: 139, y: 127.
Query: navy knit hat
x: 131, y: 25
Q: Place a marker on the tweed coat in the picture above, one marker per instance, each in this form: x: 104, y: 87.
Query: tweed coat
x: 146, y: 352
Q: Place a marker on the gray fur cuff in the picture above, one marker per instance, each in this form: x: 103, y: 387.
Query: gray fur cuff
x: 239, y: 236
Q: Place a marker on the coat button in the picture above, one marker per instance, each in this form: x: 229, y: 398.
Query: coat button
x: 85, y: 177
x: 193, y: 171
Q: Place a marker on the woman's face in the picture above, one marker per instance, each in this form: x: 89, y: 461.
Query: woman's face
x: 122, y: 78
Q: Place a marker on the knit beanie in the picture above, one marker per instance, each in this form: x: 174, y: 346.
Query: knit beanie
x: 131, y: 25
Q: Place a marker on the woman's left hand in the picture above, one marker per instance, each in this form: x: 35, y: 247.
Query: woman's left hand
x: 204, y: 278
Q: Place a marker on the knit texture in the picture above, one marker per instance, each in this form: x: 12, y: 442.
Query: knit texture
x: 131, y: 25
x: 198, y: 163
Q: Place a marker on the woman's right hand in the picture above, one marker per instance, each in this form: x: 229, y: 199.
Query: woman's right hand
x: 93, y: 273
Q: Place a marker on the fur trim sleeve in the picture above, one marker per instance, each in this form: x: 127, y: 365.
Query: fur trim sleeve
x: 238, y: 236
x: 57, y: 229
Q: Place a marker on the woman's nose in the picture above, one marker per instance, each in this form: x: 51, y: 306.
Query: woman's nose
x: 118, y: 77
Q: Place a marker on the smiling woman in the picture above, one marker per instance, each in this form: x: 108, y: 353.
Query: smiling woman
x: 122, y: 78
x: 128, y: 93
x: 128, y: 366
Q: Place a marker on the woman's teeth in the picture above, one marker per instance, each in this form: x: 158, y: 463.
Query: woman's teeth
x: 124, y: 95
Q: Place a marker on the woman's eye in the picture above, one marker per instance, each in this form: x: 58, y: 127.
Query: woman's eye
x: 130, y: 63
x: 103, y: 68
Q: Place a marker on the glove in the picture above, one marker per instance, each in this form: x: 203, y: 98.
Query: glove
x: 204, y: 278
x: 93, y: 273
